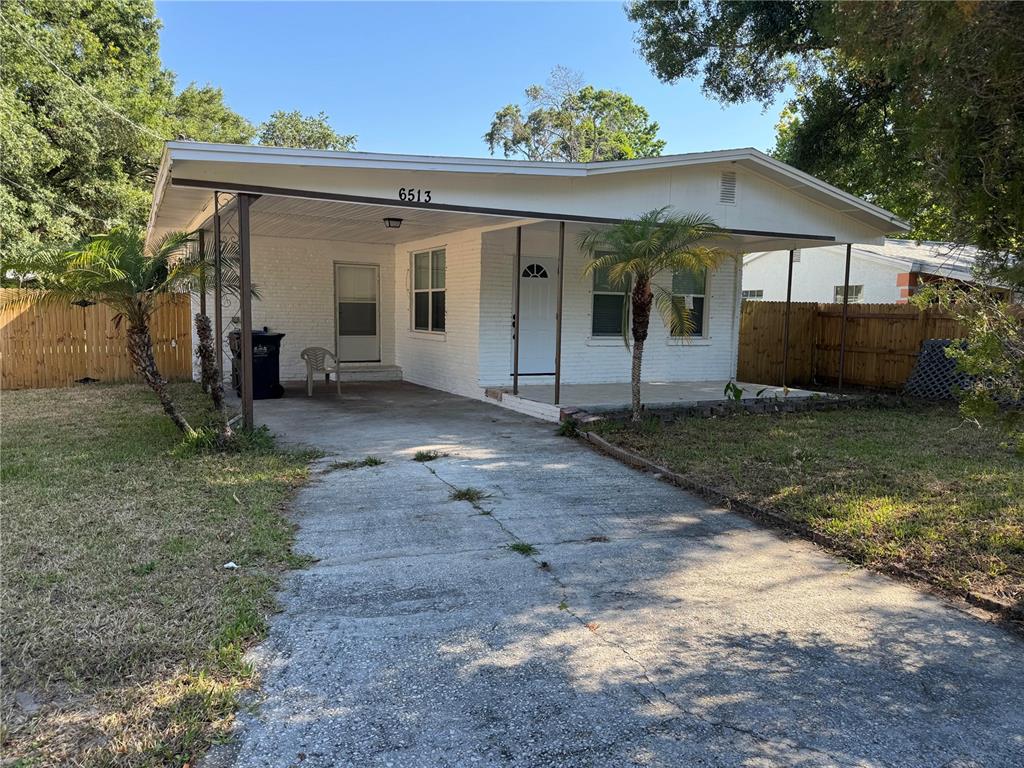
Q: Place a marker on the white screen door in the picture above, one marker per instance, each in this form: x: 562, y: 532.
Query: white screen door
x: 355, y: 292
x: 537, y: 297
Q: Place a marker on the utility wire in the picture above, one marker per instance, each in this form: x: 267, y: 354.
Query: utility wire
x: 67, y: 208
x: 26, y: 39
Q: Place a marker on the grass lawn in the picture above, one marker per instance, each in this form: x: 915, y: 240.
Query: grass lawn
x: 122, y: 632
x: 913, y: 486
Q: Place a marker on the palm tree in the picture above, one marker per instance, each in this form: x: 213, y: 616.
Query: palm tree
x: 231, y: 284
x: 118, y: 270
x: 634, y: 252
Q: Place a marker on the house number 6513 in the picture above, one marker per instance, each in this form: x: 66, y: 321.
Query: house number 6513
x: 414, y: 195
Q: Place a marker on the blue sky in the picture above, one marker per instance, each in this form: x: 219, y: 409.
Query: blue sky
x: 427, y: 77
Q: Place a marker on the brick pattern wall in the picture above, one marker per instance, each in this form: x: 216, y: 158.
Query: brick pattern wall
x: 447, y: 361
x: 295, y: 278
x: 587, y: 360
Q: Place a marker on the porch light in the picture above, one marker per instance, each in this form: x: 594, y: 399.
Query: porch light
x: 392, y: 222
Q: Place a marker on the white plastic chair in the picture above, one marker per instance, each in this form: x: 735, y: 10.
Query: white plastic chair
x: 320, y: 360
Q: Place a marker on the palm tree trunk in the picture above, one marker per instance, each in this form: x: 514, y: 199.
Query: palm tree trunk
x: 209, y: 374
x: 204, y: 351
x: 638, y: 357
x: 642, y: 299
x: 140, y: 349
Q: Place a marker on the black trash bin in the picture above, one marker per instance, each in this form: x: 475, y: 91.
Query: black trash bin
x: 266, y: 363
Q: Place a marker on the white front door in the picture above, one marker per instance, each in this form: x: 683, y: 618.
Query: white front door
x: 357, y: 316
x: 538, y: 294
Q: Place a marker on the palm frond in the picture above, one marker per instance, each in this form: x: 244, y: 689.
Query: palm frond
x: 673, y: 310
x: 636, y: 251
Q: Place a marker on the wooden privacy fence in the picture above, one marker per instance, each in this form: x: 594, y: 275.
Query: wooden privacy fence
x: 57, y: 345
x: 882, y: 342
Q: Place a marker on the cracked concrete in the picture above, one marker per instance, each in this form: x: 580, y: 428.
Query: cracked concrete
x: 649, y: 629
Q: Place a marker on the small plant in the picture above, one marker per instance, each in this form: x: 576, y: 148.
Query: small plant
x: 369, y: 461
x: 470, y: 494
x: 563, y: 606
x: 569, y: 427
x: 735, y: 392
x: 524, y: 549
x: 423, y: 456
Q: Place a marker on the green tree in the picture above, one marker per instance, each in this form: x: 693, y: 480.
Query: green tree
x: 71, y: 164
x: 917, y: 106
x: 634, y: 253
x: 84, y: 108
x: 992, y: 353
x: 293, y: 129
x: 569, y: 121
x: 199, y: 113
x: 117, y: 270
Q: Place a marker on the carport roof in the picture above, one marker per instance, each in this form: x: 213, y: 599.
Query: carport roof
x: 190, y: 171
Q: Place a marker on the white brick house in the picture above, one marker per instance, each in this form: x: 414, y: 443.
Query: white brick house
x: 432, y: 301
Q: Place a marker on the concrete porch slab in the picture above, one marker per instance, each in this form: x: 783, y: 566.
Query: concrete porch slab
x: 604, y: 397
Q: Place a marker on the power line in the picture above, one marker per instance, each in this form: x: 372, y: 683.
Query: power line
x: 67, y: 208
x: 82, y: 88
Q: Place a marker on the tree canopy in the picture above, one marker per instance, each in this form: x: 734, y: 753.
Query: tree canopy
x: 293, y: 129
x: 85, y: 106
x: 916, y: 106
x: 566, y: 120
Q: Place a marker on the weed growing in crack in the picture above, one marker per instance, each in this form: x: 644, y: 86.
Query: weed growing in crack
x: 470, y: 494
x: 523, y: 548
x: 369, y: 461
x: 423, y: 456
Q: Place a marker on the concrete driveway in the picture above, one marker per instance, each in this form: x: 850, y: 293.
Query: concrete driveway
x: 649, y: 629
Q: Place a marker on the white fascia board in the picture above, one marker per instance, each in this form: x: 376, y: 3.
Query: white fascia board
x: 162, y: 177
x: 248, y: 153
x: 757, y: 161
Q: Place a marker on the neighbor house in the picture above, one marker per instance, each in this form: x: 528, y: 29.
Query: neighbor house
x: 880, y: 273
x: 412, y: 267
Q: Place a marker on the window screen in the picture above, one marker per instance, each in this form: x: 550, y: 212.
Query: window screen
x: 357, y: 318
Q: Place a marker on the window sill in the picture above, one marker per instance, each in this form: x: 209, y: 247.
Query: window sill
x: 605, y: 341
x: 429, y: 335
x: 696, y: 341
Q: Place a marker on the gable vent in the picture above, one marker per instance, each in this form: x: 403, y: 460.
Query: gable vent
x: 796, y: 256
x: 727, y: 188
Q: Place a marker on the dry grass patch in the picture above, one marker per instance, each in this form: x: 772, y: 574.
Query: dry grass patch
x: 121, y: 624
x: 911, y: 486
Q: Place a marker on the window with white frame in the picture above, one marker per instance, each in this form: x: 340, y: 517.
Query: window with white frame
x: 856, y: 294
x: 690, y: 287
x: 428, y: 281
x: 754, y: 295
x: 608, y: 305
